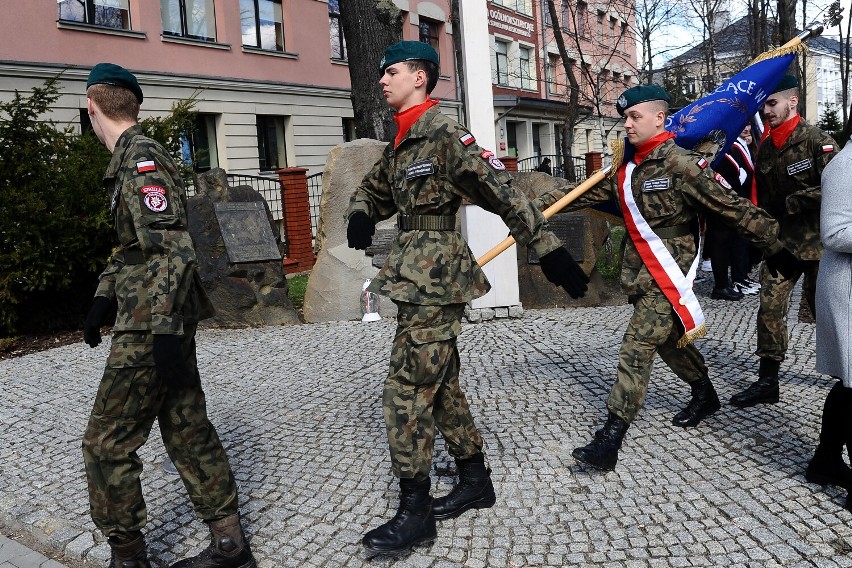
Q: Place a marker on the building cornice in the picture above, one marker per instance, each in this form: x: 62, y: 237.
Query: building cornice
x: 81, y: 73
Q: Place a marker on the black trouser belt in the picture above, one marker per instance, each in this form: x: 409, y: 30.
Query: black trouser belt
x: 427, y: 222
x: 673, y: 231
x: 132, y: 256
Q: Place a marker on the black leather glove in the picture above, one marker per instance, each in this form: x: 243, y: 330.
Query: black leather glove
x: 168, y: 358
x: 95, y: 319
x: 562, y: 270
x: 783, y: 262
x: 360, y: 230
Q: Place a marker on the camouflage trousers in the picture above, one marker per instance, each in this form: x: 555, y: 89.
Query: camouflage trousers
x: 129, y: 399
x: 653, y: 328
x: 422, y: 390
x: 775, y: 293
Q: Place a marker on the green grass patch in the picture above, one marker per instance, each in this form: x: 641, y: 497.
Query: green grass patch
x: 609, y: 259
x: 296, y: 290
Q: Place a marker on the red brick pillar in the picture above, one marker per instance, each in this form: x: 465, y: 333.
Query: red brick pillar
x: 511, y: 163
x: 593, y: 162
x: 297, y: 220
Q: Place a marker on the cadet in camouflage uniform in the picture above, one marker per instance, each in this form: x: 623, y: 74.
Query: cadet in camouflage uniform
x: 788, y: 170
x: 670, y: 186
x: 431, y: 274
x: 151, y: 372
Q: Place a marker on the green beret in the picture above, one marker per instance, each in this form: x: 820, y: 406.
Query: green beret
x: 407, y: 51
x: 640, y: 94
x: 786, y: 82
x: 116, y: 75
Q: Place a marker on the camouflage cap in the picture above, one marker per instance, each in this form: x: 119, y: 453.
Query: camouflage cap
x: 116, y: 75
x: 640, y: 94
x: 407, y: 51
x: 786, y: 82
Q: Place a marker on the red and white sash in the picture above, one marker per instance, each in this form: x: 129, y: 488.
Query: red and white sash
x: 676, y: 286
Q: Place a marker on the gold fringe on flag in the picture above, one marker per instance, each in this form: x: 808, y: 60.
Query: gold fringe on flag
x: 697, y: 333
x: 617, y: 147
x: 800, y: 47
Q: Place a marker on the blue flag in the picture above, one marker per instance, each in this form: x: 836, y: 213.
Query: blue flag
x: 713, y: 123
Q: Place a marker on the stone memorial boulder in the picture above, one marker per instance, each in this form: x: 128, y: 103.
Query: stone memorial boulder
x: 583, y: 234
x: 241, y: 267
x: 334, y: 286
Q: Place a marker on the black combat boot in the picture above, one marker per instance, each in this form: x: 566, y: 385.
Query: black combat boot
x: 828, y: 467
x: 474, y: 490
x: 704, y: 402
x: 602, y: 451
x: 764, y: 390
x: 414, y: 522
x: 128, y: 554
x: 227, y: 549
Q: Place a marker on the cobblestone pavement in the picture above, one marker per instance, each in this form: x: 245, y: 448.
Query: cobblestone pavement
x: 298, y: 408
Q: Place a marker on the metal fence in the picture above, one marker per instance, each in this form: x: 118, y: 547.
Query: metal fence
x: 574, y: 170
x: 314, y: 197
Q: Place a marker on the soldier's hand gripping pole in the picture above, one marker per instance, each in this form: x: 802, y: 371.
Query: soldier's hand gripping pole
x: 548, y: 213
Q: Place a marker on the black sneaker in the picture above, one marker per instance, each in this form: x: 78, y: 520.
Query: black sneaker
x: 726, y: 294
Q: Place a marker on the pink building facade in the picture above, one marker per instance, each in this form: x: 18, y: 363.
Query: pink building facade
x: 529, y: 81
x: 270, y: 76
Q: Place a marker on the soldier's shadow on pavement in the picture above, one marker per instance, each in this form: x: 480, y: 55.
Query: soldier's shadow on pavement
x: 777, y: 438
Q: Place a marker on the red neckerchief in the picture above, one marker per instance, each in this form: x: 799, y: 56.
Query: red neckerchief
x: 407, y: 118
x: 643, y: 149
x: 779, y: 135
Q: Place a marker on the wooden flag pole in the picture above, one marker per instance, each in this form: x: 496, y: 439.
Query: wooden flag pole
x: 548, y: 213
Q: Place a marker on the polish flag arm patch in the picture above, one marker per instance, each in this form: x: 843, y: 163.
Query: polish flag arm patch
x: 827, y: 148
x: 146, y: 166
x: 467, y: 139
x: 702, y: 163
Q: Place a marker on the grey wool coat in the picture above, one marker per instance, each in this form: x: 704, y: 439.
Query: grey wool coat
x: 834, y: 283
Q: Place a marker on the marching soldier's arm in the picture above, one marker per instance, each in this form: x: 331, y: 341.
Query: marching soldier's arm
x: 374, y: 196
x: 710, y: 191
x: 154, y: 199
x: 808, y: 199
x: 477, y: 175
x: 106, y: 281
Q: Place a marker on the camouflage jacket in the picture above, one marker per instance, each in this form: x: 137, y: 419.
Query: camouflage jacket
x: 153, y: 272
x: 435, y: 167
x: 670, y: 187
x: 788, y: 186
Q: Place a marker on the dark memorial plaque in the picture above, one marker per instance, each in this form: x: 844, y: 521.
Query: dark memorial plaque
x: 571, y: 230
x: 246, y: 231
x: 380, y: 248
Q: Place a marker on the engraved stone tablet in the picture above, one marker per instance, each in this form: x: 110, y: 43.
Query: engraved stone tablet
x: 380, y: 248
x: 246, y: 231
x: 570, y: 228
